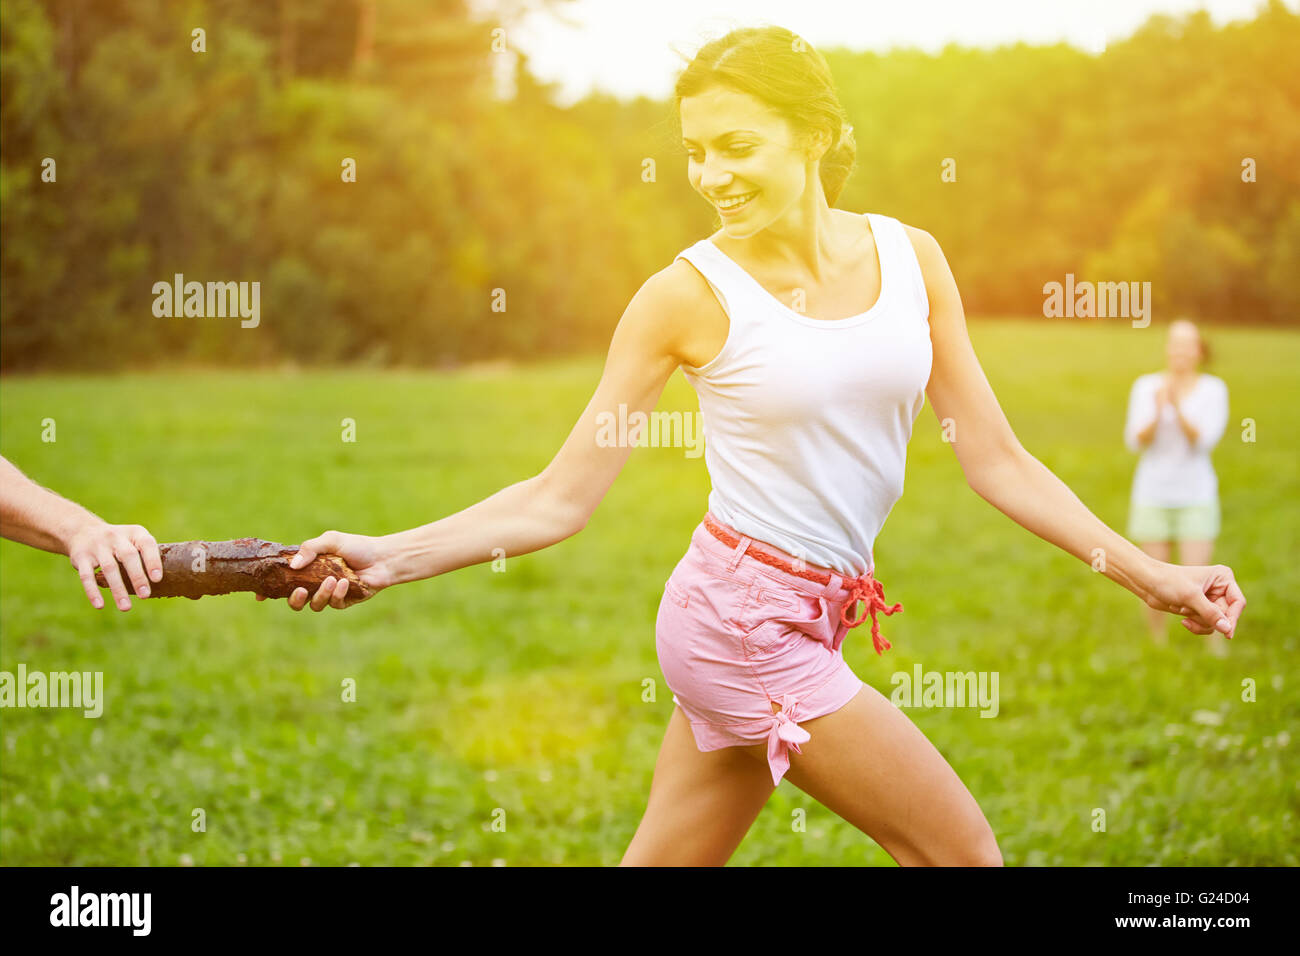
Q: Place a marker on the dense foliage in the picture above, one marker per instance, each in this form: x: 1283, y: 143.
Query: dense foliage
x: 228, y: 165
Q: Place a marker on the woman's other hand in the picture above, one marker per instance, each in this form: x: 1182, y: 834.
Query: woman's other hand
x: 1207, y: 596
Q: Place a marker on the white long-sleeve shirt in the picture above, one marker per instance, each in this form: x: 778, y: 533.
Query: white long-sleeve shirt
x: 1173, y: 472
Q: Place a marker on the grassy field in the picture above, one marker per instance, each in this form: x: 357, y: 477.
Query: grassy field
x: 517, y: 697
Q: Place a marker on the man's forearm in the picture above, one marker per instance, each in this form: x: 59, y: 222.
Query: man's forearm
x: 518, y: 519
x: 36, y: 516
x: 1025, y: 490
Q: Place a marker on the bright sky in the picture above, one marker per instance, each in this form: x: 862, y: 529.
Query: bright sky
x: 624, y: 47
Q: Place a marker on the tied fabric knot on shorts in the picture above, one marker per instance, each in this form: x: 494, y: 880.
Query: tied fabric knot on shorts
x: 785, y: 733
x: 867, y: 588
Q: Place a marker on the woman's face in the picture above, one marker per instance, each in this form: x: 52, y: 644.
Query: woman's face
x: 1183, y: 348
x: 737, y: 148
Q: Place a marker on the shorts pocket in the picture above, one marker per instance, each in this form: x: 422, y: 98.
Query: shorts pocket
x: 788, y: 619
x: 706, y: 595
x: 676, y: 593
x: 772, y: 596
x: 766, y: 640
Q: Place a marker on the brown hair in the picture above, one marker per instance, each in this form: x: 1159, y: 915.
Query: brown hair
x: 782, y: 70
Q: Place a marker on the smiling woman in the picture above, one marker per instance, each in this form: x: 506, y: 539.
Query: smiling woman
x: 793, y: 105
x: 807, y: 410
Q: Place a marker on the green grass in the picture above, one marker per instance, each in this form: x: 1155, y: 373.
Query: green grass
x: 480, y: 693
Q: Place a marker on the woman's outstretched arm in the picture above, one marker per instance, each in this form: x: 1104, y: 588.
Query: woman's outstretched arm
x: 557, y: 502
x: 999, y: 469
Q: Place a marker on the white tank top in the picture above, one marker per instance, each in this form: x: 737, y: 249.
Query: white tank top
x: 806, y: 420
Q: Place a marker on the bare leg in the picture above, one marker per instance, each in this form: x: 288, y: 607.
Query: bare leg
x: 1157, y: 621
x: 1197, y: 553
x: 871, y: 765
x: 701, y: 805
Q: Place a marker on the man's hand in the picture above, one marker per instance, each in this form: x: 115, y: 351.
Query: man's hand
x: 98, y: 543
x: 39, y: 518
x: 363, y: 555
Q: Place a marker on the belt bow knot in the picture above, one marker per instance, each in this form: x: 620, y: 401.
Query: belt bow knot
x: 872, y: 591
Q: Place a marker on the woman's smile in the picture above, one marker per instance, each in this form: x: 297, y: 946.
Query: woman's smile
x: 733, y: 204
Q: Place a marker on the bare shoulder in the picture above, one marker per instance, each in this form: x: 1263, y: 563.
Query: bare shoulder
x: 678, y: 285
x: 679, y: 296
x: 928, y: 253
x: 678, y: 304
x: 936, y: 274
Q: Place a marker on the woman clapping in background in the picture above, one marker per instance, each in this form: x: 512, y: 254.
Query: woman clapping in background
x: 1175, y: 418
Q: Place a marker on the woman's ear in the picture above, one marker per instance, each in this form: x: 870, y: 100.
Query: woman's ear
x: 815, y: 143
x: 819, y: 144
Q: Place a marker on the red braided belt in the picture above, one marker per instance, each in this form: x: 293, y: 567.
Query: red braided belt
x: 865, y: 587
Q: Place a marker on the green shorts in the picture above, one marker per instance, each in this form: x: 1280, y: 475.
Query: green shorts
x: 1189, y: 523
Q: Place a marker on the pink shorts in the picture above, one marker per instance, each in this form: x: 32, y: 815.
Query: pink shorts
x: 735, y: 635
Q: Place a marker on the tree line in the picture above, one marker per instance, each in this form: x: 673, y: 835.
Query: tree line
x: 404, y: 191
